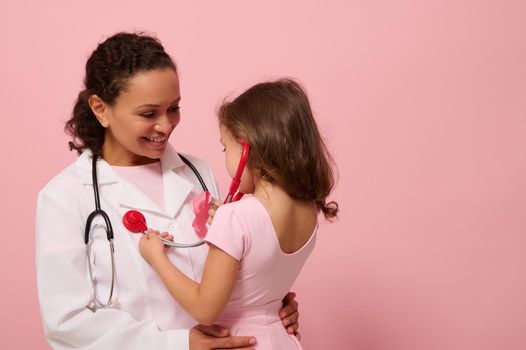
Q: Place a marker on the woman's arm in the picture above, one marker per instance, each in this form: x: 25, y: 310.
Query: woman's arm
x: 205, y: 300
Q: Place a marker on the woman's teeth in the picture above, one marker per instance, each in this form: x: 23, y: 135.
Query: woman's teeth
x: 156, y: 139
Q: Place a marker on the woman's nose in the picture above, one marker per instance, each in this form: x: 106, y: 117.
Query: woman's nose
x: 165, y: 124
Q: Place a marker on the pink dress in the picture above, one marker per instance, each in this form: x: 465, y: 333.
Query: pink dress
x: 244, y: 230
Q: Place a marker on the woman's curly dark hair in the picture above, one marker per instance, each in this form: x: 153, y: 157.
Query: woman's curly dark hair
x: 108, y: 69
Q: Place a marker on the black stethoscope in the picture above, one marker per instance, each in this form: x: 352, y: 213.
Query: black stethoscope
x: 133, y: 217
x: 97, y: 303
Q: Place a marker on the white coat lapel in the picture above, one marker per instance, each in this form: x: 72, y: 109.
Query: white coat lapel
x: 176, y: 187
x: 113, y: 188
x: 105, y: 174
x: 132, y: 198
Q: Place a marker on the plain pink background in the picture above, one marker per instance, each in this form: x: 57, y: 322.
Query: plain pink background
x: 423, y: 104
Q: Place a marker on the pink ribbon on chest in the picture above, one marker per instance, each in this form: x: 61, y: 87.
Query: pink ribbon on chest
x: 201, y: 205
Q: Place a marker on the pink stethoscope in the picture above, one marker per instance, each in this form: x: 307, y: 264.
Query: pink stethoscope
x: 135, y: 221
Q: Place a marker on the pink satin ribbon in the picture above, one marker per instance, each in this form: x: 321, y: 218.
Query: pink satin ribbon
x: 201, y: 204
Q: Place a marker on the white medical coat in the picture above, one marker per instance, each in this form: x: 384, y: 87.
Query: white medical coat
x: 145, y: 315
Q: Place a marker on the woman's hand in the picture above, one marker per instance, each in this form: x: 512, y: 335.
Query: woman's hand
x: 151, y: 247
x: 217, y: 337
x: 216, y: 203
x: 289, y: 314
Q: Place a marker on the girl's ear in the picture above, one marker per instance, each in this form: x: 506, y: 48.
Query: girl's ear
x: 100, y: 109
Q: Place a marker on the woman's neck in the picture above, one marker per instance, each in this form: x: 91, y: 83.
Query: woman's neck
x: 116, y: 156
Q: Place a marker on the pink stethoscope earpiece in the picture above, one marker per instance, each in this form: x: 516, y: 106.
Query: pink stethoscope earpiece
x: 236, y: 180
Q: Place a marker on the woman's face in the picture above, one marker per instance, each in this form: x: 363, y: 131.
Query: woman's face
x: 142, y: 118
x: 233, y: 150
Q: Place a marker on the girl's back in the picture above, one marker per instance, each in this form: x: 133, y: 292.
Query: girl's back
x: 293, y: 220
x: 272, y: 240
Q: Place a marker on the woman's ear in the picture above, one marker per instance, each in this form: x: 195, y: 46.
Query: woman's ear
x: 100, y: 109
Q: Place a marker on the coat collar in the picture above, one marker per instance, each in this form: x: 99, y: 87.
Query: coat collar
x: 176, y: 187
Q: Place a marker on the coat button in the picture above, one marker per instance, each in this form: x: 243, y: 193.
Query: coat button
x: 172, y: 226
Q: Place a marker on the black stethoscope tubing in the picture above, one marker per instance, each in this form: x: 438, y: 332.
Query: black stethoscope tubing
x: 96, y: 302
x: 99, y: 211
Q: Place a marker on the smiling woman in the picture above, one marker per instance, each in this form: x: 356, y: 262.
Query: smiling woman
x: 141, y: 120
x: 120, y: 126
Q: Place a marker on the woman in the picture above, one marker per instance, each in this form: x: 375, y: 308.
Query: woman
x: 123, y: 119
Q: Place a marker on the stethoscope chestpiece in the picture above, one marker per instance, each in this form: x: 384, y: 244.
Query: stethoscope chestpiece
x: 134, y: 221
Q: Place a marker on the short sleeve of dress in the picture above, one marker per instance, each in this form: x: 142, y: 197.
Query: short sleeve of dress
x: 228, y: 232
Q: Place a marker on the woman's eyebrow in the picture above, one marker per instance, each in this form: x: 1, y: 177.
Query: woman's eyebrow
x: 152, y: 105
x: 149, y: 105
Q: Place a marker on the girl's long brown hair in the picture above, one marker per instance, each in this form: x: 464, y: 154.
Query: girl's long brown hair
x: 286, y: 147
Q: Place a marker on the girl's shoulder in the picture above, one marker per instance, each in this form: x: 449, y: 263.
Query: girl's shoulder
x: 247, y: 205
x: 246, y: 210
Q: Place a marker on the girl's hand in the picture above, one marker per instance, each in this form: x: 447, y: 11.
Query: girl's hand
x: 167, y: 236
x: 151, y: 247
x: 216, y: 203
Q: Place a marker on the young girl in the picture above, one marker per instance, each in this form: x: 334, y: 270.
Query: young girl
x: 258, y: 245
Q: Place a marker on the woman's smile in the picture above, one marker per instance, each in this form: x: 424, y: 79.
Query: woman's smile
x: 156, y: 142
